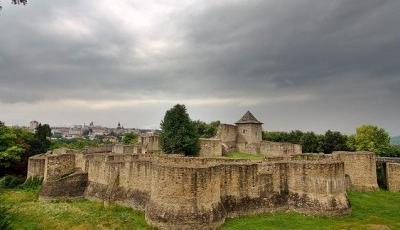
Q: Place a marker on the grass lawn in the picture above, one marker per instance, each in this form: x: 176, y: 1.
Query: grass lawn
x: 376, y: 210
x: 246, y: 156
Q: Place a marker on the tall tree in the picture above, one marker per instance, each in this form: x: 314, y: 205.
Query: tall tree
x: 311, y: 143
x: 178, y: 133
x: 371, y: 138
x: 334, y: 141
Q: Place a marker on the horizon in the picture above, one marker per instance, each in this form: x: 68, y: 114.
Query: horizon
x: 308, y: 65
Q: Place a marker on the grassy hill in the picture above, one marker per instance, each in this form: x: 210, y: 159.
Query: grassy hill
x: 374, y: 210
x: 395, y: 140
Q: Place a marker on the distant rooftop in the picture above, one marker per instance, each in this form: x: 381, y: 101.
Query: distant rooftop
x: 248, y: 118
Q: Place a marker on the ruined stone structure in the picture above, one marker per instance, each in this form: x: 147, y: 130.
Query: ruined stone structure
x: 178, y: 192
x: 246, y: 136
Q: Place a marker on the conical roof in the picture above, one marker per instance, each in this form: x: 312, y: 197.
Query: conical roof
x: 248, y: 118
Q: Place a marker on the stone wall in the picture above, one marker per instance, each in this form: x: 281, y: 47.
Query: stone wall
x: 70, y: 186
x: 150, y: 143
x: 228, y: 135
x: 210, y: 147
x: 36, y: 166
x: 359, y: 169
x: 269, y: 148
x: 317, y: 187
x: 123, y: 149
x: 214, y: 188
x: 57, y: 166
x: 393, y: 176
x: 199, y: 193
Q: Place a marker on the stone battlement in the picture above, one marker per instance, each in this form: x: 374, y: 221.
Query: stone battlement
x: 178, y: 192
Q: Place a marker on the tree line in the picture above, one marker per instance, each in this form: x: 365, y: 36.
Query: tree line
x: 18, y: 144
x: 366, y: 138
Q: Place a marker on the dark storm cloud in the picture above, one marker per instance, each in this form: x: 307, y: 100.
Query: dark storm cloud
x: 290, y: 61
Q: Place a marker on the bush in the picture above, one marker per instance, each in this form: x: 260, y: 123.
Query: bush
x: 32, y: 183
x: 10, y: 181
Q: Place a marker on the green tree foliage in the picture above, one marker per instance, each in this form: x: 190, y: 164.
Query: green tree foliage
x: 17, y: 145
x: 390, y: 151
x: 276, y: 136
x: 14, y: 143
x: 371, y: 138
x: 130, y: 138
x: 76, y: 143
x: 312, y: 143
x: 41, y: 142
x: 178, y: 132
x: 334, y: 141
x: 206, y: 130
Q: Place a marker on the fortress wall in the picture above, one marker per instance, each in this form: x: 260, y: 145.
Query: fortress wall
x: 317, y: 188
x: 150, y: 143
x: 393, y: 176
x: 57, y: 166
x: 228, y: 135
x: 360, y: 170
x: 100, y: 149
x: 71, y: 186
x: 81, y: 161
x: 269, y: 148
x: 210, y: 147
x: 248, y: 147
x: 123, y: 149
x: 250, y: 189
x: 313, y: 157
x: 189, y: 198
x: 36, y: 167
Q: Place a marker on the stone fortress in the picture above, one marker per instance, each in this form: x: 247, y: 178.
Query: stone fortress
x: 178, y: 192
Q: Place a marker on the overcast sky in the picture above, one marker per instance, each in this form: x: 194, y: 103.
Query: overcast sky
x: 296, y: 64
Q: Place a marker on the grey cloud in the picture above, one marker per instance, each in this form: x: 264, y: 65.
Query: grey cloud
x: 340, y: 56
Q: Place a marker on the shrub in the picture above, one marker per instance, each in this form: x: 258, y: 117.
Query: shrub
x: 10, y: 181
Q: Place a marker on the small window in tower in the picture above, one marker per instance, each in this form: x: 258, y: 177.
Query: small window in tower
x: 244, y: 131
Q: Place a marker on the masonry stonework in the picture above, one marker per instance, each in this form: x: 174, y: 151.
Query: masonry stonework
x: 360, y: 170
x: 393, y: 176
x: 177, y: 192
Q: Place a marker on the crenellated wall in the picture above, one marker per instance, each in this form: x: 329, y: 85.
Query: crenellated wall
x: 177, y: 192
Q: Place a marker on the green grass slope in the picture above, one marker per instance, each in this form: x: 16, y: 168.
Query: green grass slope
x: 375, y: 210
